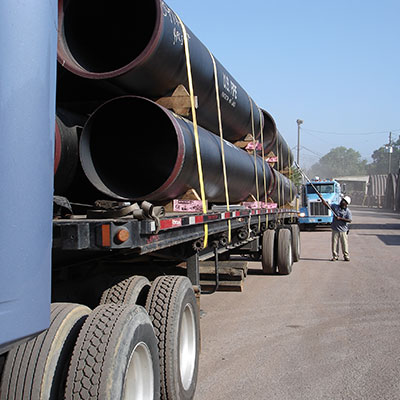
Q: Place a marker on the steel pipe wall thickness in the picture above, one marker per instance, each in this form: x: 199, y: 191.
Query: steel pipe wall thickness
x: 139, y: 47
x: 275, y: 143
x: 66, y: 156
x: 131, y: 148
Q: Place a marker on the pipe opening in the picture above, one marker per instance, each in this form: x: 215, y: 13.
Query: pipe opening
x: 133, y: 146
x: 104, y: 36
x: 269, y: 131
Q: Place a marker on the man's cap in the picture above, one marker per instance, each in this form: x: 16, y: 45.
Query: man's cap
x: 347, y: 199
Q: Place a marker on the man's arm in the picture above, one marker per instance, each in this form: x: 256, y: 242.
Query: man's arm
x: 348, y: 218
x: 343, y: 219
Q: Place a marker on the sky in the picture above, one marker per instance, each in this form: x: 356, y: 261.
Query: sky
x: 333, y: 64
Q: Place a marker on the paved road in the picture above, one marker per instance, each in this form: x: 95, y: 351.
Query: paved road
x: 330, y: 330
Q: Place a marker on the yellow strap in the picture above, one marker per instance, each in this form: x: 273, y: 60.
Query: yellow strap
x: 255, y: 159
x: 263, y: 157
x: 264, y: 173
x: 195, y: 127
x: 221, y: 135
x: 278, y: 183
x: 290, y: 178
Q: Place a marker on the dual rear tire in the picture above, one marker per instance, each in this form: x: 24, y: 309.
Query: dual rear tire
x: 173, y: 309
x: 115, y: 352
x: 280, y: 248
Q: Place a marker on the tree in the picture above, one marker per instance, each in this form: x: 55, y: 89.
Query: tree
x: 340, y: 161
x: 380, y: 157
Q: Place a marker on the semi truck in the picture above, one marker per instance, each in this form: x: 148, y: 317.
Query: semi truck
x: 312, y: 211
x: 99, y: 272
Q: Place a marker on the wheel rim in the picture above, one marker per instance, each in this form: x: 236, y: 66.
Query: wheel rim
x: 187, y: 346
x: 139, y: 380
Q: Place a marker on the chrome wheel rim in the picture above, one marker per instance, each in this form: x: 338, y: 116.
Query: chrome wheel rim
x: 139, y: 379
x: 187, y: 346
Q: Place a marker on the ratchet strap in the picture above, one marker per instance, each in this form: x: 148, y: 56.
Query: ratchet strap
x: 221, y: 135
x: 263, y: 159
x: 195, y: 126
x: 255, y: 161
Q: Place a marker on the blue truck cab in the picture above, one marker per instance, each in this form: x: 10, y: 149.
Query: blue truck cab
x: 312, y: 211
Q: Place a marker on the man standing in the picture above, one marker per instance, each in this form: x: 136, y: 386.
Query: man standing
x: 340, y: 228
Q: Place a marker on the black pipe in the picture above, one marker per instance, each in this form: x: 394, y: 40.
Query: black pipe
x: 283, y: 189
x: 139, y: 47
x: 275, y: 143
x: 66, y: 156
x: 131, y: 148
x: 269, y: 132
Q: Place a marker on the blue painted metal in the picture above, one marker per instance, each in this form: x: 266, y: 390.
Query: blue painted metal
x: 312, y: 204
x: 28, y: 45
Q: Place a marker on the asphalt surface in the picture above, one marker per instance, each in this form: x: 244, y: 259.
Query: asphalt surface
x: 330, y: 330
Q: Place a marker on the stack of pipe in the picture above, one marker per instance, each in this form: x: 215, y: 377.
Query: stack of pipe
x: 132, y: 148
x: 391, y: 191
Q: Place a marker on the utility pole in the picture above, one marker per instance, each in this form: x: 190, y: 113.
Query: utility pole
x: 390, y: 149
x: 299, y: 122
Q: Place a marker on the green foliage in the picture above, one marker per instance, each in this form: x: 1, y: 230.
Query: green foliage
x: 380, y: 157
x: 340, y: 161
x: 295, y: 176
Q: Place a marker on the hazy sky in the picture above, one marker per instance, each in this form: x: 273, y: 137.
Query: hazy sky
x: 334, y: 64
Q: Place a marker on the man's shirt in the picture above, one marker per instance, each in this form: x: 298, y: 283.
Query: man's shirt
x: 340, y: 226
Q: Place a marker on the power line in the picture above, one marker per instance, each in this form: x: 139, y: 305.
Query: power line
x: 320, y: 139
x: 350, y: 134
x: 311, y: 151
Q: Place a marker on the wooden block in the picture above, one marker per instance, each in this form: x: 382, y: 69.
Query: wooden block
x: 179, y: 101
x: 241, y: 144
x: 234, y: 264
x: 224, y: 286
x: 191, y: 194
x: 251, y: 199
x: 223, y: 270
x: 224, y: 275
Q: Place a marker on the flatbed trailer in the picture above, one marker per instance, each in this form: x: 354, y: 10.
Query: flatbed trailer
x: 109, y: 317
x: 145, y: 237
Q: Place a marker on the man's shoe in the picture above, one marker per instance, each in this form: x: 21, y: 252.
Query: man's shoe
x: 334, y: 259
x: 346, y: 259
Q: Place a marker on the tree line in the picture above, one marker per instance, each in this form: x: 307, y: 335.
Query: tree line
x: 342, y: 161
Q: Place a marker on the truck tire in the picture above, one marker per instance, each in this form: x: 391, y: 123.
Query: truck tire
x: 115, y: 356
x: 268, y: 252
x: 132, y: 290
x: 37, y: 369
x: 174, y: 312
x: 285, y: 253
x: 296, y: 247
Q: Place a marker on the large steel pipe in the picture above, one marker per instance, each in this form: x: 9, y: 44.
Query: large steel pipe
x: 138, y: 45
x: 269, y: 132
x: 66, y: 156
x: 132, y: 148
x: 283, y: 189
x: 276, y: 144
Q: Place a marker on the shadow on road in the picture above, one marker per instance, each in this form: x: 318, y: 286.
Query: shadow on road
x: 375, y: 226
x: 389, y: 240
x: 373, y: 212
